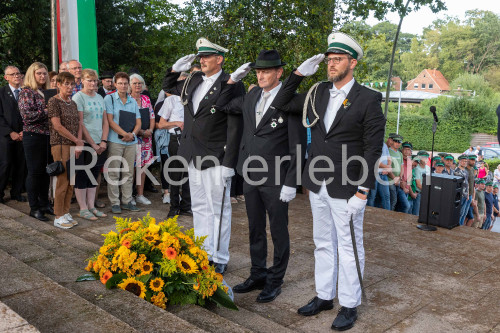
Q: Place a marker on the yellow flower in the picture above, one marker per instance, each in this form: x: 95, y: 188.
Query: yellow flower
x: 151, y: 238
x: 146, y: 268
x: 156, y: 284
x: 89, y: 266
x: 186, y: 264
x: 153, y: 228
x: 135, y: 287
x: 159, y: 300
x: 135, y: 226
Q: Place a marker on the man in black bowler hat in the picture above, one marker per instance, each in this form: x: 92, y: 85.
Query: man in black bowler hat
x: 272, y: 140
x: 107, y: 84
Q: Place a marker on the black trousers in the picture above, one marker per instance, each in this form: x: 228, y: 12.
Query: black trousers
x: 259, y: 200
x: 12, y: 164
x: 185, y: 202
x: 236, y: 185
x: 164, y: 182
x: 36, y: 150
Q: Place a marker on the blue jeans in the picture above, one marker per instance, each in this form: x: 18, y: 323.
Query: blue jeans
x: 382, y: 190
x: 487, y: 222
x: 465, y: 208
x: 414, y: 206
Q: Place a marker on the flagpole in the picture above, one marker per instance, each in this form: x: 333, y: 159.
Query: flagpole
x: 53, y: 34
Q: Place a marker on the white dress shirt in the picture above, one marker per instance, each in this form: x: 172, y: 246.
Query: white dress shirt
x: 172, y: 110
x: 337, y: 96
x: 203, y: 88
x: 273, y: 92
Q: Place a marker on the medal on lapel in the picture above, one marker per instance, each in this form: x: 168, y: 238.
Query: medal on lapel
x: 273, y: 123
x: 212, y: 110
x: 346, y: 104
x: 280, y: 120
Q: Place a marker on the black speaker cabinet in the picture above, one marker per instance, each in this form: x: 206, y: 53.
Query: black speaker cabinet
x: 445, y: 200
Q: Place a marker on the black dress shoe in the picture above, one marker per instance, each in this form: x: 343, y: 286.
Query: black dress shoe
x: 269, y: 294
x: 315, y: 306
x: 19, y: 198
x: 186, y: 212
x: 345, y: 319
x: 173, y: 211
x: 39, y: 215
x: 249, y: 285
x: 220, y: 268
x: 47, y: 210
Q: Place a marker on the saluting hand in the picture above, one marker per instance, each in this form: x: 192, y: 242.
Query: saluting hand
x: 184, y: 63
x: 310, y: 66
x: 241, y: 72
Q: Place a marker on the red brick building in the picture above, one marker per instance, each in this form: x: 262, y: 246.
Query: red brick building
x: 429, y: 80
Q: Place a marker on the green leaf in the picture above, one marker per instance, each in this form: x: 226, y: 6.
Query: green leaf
x: 144, y: 278
x: 87, y: 277
x: 115, y: 280
x: 221, y: 298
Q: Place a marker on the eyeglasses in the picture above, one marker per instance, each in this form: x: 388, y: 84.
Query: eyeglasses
x: 14, y: 74
x: 396, y: 141
x: 335, y: 60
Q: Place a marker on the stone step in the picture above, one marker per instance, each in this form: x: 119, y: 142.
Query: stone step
x: 49, y: 306
x: 48, y: 250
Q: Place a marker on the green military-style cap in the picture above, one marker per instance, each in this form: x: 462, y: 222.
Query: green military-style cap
x: 423, y: 153
x: 407, y: 144
x: 443, y: 155
x: 449, y: 157
x: 495, y: 185
x: 440, y: 164
x: 489, y: 184
x: 436, y: 158
x: 472, y: 157
x: 480, y: 181
x: 463, y: 157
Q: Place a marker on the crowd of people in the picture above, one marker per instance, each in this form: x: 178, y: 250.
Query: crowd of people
x: 400, y: 179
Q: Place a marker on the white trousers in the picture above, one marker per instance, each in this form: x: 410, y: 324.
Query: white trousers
x: 332, y: 233
x: 207, y: 188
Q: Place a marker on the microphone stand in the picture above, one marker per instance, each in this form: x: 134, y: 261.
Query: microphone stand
x: 426, y: 226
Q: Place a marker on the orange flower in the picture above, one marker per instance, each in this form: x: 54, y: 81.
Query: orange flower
x: 219, y: 277
x: 125, y: 230
x: 89, y: 266
x: 127, y: 243
x: 170, y: 253
x: 107, y: 275
x: 196, y: 286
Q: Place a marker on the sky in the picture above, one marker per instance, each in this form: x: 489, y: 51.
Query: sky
x: 415, y: 22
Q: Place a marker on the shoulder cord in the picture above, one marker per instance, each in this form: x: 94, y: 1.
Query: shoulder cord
x: 184, y: 89
x: 312, y: 92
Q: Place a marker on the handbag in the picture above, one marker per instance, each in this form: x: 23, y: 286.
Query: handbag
x: 55, y: 168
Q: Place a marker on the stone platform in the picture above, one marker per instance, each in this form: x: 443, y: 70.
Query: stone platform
x: 415, y: 281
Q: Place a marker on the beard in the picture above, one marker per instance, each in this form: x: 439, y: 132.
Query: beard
x: 339, y: 77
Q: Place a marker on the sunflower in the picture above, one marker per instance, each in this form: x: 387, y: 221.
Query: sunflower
x: 150, y: 238
x: 170, y: 253
x: 107, y: 275
x: 146, y: 267
x: 186, y: 264
x: 156, y: 284
x: 135, y: 287
x: 159, y: 300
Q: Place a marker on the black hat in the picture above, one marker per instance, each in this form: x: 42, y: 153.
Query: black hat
x: 107, y: 75
x: 267, y: 59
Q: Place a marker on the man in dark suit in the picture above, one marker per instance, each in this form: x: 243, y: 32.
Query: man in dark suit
x: 107, y: 84
x: 208, y: 144
x: 12, y: 161
x: 347, y: 132
x: 273, y: 140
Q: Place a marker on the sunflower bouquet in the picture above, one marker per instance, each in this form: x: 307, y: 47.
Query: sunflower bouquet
x: 159, y: 263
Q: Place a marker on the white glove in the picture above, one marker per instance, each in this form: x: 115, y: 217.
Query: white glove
x: 355, y: 205
x: 287, y: 193
x: 311, y: 65
x: 184, y: 63
x: 241, y: 72
x: 227, y: 174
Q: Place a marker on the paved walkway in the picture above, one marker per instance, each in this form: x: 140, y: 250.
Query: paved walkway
x: 11, y: 322
x: 415, y: 281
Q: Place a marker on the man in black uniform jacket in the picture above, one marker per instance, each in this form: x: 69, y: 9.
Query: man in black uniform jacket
x: 209, y: 144
x: 12, y: 160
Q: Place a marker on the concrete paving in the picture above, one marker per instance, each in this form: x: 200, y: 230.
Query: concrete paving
x: 415, y: 281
